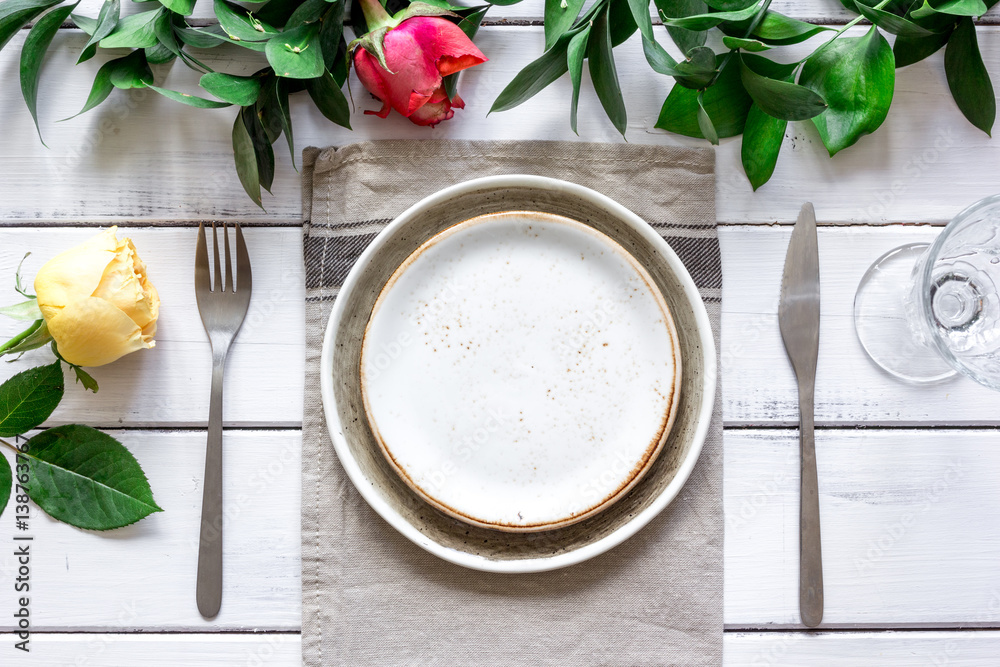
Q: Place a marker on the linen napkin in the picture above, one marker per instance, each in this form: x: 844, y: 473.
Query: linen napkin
x: 371, y: 597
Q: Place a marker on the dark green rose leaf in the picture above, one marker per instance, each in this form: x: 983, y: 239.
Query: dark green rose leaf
x: 28, y: 398
x: 683, y: 38
x: 86, y: 379
x: 240, y: 25
x: 535, y: 76
x: 284, y: 113
x: 261, y: 141
x: 26, y: 310
x: 781, y: 99
x: 246, y: 160
x: 640, y: 14
x: 277, y: 12
x: 15, y: 14
x: 909, y: 50
x: 190, y: 100
x: 575, y: 54
x: 105, y: 24
x: 726, y: 102
x: 968, y: 79
x: 239, y: 90
x: 705, y: 123
x: 891, y: 23
x: 855, y: 76
x: 308, y: 11
x: 329, y: 99
x: 87, y: 479
x: 33, y: 53
x: 621, y: 23
x: 601, y: 62
x: 137, y: 31
x: 331, y: 33
x: 182, y: 7
x: 559, y: 19
x: 706, y: 21
x: 762, y: 137
x: 745, y: 44
x: 6, y: 482
x: 297, y: 53
x: 952, y: 8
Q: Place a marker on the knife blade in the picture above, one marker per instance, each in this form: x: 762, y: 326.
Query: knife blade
x: 798, y: 319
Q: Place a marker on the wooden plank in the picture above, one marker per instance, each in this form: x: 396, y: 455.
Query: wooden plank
x: 862, y: 649
x: 758, y: 383
x: 140, y: 155
x: 906, y: 519
x: 143, y: 576
x: 115, y: 650
x: 170, y: 383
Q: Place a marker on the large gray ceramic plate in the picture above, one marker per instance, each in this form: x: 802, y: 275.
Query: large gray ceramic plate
x: 359, y: 451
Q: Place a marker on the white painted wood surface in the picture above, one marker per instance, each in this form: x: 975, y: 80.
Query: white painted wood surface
x: 909, y: 529
x: 184, y: 171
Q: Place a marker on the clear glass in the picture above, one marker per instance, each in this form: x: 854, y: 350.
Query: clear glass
x: 923, y: 312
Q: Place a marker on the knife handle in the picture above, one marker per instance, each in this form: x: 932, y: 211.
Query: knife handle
x: 810, y: 550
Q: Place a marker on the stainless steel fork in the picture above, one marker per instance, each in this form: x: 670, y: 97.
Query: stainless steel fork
x: 223, y: 306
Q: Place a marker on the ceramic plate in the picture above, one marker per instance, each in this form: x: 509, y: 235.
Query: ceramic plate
x: 462, y: 527
x: 520, y: 371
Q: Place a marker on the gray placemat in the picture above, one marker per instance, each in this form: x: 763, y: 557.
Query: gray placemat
x: 371, y: 597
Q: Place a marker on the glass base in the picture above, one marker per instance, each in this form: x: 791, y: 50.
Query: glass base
x: 882, y: 323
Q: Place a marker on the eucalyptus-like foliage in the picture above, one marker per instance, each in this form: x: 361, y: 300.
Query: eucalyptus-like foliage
x: 844, y: 87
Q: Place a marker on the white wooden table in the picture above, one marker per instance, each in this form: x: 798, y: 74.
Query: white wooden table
x: 908, y: 476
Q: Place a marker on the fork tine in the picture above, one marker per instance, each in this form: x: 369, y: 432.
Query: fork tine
x: 245, y: 277
x: 202, y: 275
x: 229, y: 264
x: 217, y: 282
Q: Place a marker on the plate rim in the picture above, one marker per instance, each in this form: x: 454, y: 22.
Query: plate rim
x: 640, y: 520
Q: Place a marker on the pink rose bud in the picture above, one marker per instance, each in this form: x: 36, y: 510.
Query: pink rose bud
x: 420, y: 51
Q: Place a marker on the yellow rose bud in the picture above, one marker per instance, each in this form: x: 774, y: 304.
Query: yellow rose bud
x: 97, y: 301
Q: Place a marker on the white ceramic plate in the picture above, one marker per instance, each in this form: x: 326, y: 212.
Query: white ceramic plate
x: 520, y: 371
x: 360, y: 452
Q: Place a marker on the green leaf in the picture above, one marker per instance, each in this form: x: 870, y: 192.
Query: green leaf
x: 726, y: 103
x: 239, y: 25
x: 730, y: 5
x: 329, y: 99
x: 240, y: 90
x: 246, y: 160
x: 15, y: 14
x: 308, y: 11
x: 968, y: 79
x: 535, y: 76
x: 575, y: 54
x: 855, y: 76
x: 297, y: 53
x: 640, y: 14
x: 621, y: 23
x: 705, y: 123
x: 683, y: 38
x: 105, y: 24
x: 559, y: 17
x: 202, y: 38
x: 6, y: 482
x: 28, y: 398
x: 776, y: 29
x: 87, y: 479
x: 132, y: 71
x: 277, y: 12
x: 601, y: 61
x: 891, y: 23
x: 331, y: 34
x: 284, y: 113
x: 190, y: 100
x: 84, y: 23
x: 745, y: 44
x: 26, y: 310
x: 33, y: 53
x: 698, y: 70
x: 35, y: 336
x: 781, y: 99
x: 136, y: 31
x: 658, y: 58
x: 909, y: 50
x: 706, y: 21
x: 952, y: 8
x: 89, y: 383
x: 182, y: 7
x: 159, y: 54
x: 762, y: 137
x: 18, y: 284
x: 216, y: 33
x: 261, y: 147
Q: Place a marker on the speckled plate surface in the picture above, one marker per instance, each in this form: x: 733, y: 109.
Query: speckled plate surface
x: 481, y: 545
x: 520, y: 370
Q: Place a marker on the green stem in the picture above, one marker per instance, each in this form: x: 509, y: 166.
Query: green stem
x: 4, y: 442
x: 375, y: 15
x: 20, y: 337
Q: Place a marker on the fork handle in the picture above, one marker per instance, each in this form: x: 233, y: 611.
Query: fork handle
x: 810, y: 550
x: 210, y: 547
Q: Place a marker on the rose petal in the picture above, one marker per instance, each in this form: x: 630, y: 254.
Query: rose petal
x: 75, y: 273
x: 370, y: 73
x: 125, y: 285
x: 93, y: 332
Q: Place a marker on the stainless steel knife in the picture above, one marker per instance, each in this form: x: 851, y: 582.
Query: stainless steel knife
x: 798, y: 318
